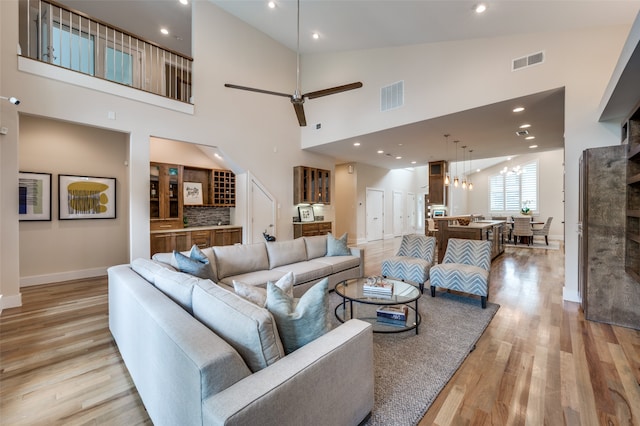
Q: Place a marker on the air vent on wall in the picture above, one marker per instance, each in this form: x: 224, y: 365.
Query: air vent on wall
x: 392, y: 96
x: 522, y: 132
x: 527, y: 61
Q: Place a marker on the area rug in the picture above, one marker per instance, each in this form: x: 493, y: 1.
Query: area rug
x: 411, y: 370
x: 537, y: 244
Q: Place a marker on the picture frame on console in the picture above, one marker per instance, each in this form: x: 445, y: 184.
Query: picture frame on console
x: 306, y: 214
x: 34, y: 196
x: 86, y: 197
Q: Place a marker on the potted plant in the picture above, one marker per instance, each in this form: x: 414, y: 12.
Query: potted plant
x: 525, y: 210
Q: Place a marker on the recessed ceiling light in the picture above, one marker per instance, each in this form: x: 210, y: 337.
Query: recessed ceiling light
x: 398, y: 158
x: 478, y: 170
x: 185, y: 2
x: 272, y: 5
x: 380, y: 151
x: 413, y: 162
x: 518, y: 109
x: 530, y: 137
x: 480, y: 8
x: 356, y: 144
x: 164, y: 31
x: 525, y: 126
x: 533, y: 146
x: 315, y: 36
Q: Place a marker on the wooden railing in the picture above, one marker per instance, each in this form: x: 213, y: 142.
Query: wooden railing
x: 52, y: 33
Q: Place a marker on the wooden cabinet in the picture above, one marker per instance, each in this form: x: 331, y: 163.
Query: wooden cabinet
x: 311, y: 185
x: 310, y: 229
x: 226, y: 236
x: 631, y: 132
x: 492, y: 230
x: 218, y: 186
x: 223, y: 188
x: 166, y: 242
x: 165, y: 196
x: 437, y: 173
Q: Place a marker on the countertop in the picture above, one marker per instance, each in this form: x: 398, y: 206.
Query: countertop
x: 196, y: 228
x: 480, y: 224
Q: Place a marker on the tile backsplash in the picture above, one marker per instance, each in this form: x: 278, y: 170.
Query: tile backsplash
x: 207, y: 216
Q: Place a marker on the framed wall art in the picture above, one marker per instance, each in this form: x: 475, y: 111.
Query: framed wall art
x: 306, y: 214
x: 192, y: 193
x: 86, y: 197
x: 34, y: 196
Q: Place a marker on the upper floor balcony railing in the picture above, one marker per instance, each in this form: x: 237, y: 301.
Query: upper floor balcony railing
x: 57, y: 35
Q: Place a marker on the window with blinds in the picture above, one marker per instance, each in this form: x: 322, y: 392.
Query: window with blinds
x: 510, y: 191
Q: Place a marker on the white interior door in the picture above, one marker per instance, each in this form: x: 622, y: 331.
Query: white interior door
x: 262, y: 211
x: 411, y: 222
x: 375, y: 214
x: 398, y: 214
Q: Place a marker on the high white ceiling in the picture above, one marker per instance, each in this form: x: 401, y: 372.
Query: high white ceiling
x: 365, y: 24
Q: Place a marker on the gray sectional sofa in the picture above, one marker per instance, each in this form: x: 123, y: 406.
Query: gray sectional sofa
x: 201, y: 355
x: 255, y: 264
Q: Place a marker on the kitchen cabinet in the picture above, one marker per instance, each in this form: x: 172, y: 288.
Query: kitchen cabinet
x: 631, y: 131
x: 491, y: 230
x: 310, y: 229
x: 203, y: 237
x: 437, y: 173
x: 226, y: 236
x: 165, y: 196
x: 218, y: 186
x: 311, y: 185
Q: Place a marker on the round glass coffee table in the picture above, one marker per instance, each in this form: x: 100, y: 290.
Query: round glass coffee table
x: 356, y: 303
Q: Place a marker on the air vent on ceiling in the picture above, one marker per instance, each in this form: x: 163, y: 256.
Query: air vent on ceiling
x: 522, y: 132
x: 527, y: 61
x: 392, y: 96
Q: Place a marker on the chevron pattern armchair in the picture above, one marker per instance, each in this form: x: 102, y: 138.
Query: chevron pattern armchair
x: 413, y: 260
x: 465, y: 268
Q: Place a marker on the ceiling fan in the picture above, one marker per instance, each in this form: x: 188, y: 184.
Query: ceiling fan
x: 297, y: 99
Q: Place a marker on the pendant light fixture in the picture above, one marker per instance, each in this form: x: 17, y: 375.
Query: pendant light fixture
x: 447, y: 181
x: 470, y: 171
x: 456, y: 182
x: 464, y: 169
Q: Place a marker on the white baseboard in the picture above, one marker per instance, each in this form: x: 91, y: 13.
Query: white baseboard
x: 62, y: 276
x: 571, y: 295
x: 7, y: 302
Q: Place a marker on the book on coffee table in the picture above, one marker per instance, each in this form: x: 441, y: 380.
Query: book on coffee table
x: 380, y: 287
x: 393, y: 313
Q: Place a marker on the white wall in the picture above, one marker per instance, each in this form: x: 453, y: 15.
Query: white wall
x: 67, y: 249
x: 444, y: 78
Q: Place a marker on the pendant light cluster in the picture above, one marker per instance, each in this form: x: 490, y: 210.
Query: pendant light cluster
x: 466, y: 181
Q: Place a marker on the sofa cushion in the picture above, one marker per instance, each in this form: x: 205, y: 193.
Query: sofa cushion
x: 286, y: 252
x: 148, y: 269
x: 240, y: 259
x: 258, y: 295
x: 307, y: 271
x: 339, y: 263
x: 178, y: 286
x: 337, y: 246
x: 257, y: 278
x: 316, y: 246
x: 197, y: 263
x: 250, y: 329
x: 299, y: 321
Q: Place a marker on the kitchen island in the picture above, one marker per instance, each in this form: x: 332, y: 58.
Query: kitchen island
x: 491, y: 230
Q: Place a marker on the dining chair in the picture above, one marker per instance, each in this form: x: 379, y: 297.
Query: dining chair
x: 522, y: 228
x: 431, y: 227
x: 544, y: 231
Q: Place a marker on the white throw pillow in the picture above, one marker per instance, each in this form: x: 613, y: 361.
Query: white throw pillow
x: 258, y: 295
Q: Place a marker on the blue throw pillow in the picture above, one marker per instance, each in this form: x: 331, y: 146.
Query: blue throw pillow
x: 299, y: 321
x: 197, y: 264
x: 337, y: 247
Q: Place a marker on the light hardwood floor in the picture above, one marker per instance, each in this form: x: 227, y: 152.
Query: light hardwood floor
x: 538, y: 362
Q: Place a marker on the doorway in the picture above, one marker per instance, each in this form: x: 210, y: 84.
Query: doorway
x: 374, y: 214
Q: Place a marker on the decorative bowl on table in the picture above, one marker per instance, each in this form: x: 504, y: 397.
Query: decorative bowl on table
x: 464, y: 221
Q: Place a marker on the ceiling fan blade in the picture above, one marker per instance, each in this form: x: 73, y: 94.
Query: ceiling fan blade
x: 299, y: 108
x: 251, y: 89
x: 333, y: 90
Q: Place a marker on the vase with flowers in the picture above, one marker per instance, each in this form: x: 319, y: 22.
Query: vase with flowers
x: 525, y: 210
